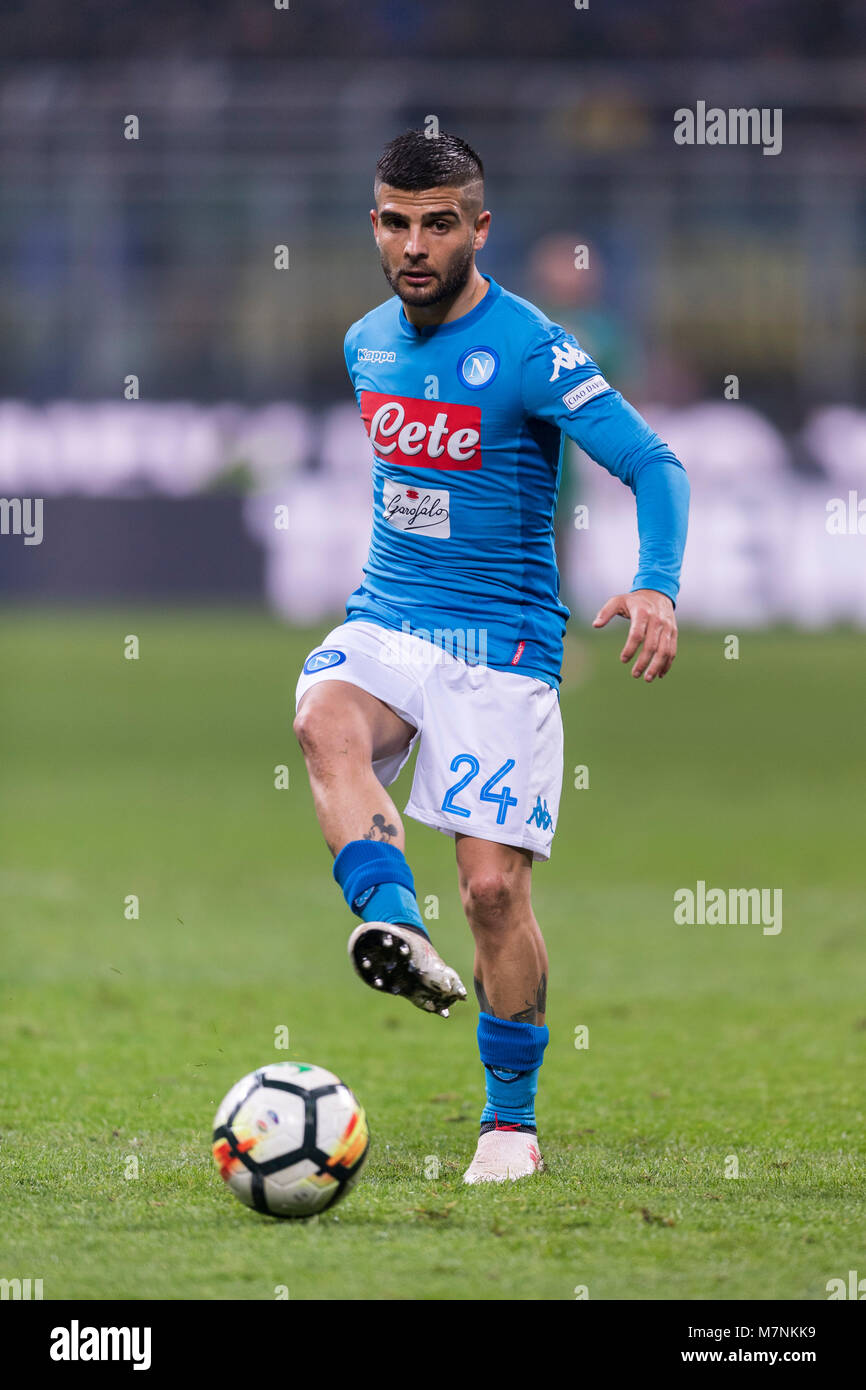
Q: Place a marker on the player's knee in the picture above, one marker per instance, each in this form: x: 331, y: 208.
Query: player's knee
x: 314, y: 728
x: 489, y: 899
x: 327, y: 728
x: 303, y: 727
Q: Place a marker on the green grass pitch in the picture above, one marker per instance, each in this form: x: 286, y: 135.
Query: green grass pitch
x: 119, y: 1037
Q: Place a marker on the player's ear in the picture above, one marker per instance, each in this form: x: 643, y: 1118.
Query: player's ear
x: 374, y: 218
x: 482, y: 227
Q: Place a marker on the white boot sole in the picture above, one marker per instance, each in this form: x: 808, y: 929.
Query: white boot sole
x: 396, y: 961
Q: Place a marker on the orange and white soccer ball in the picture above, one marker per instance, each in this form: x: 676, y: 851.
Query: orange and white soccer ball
x: 290, y: 1139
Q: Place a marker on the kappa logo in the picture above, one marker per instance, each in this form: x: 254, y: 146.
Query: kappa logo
x: 539, y: 815
x: 376, y: 355
x: 416, y: 434
x: 320, y: 661
x: 478, y: 367
x: 566, y: 358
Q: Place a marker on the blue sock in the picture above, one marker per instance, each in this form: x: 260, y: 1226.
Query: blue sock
x: 377, y: 883
x: 512, y: 1054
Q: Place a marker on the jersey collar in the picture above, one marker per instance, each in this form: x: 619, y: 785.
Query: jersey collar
x: 454, y: 325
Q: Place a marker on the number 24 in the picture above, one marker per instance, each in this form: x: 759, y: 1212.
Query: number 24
x: 503, y: 797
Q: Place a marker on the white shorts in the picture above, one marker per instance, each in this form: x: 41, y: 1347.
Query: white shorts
x: 489, y: 742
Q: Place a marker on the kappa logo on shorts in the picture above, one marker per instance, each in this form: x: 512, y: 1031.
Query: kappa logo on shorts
x: 320, y: 661
x: 539, y: 815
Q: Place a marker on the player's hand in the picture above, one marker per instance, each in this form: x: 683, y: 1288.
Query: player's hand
x: 652, y: 625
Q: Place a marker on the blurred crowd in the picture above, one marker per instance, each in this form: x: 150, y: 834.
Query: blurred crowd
x: 622, y: 29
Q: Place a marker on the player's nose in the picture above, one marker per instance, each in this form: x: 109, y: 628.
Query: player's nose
x: 415, y: 248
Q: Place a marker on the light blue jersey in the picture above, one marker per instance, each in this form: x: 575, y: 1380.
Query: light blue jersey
x: 466, y: 422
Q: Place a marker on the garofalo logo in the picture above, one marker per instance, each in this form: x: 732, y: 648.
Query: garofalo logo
x: 739, y: 125
x: 76, y: 1343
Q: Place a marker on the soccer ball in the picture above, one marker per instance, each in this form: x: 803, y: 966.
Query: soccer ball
x: 290, y: 1139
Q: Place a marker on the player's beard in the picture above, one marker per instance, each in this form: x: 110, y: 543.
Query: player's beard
x: 445, y: 286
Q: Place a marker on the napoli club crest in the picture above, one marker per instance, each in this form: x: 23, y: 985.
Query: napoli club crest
x: 478, y: 367
x: 320, y: 661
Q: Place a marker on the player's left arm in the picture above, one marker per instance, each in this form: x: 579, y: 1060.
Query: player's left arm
x: 561, y: 384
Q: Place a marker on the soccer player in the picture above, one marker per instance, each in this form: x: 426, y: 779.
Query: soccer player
x: 453, y: 642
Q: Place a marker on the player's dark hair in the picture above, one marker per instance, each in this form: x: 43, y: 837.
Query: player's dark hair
x: 414, y: 161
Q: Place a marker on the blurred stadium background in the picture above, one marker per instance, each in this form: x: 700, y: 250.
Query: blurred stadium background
x: 155, y: 257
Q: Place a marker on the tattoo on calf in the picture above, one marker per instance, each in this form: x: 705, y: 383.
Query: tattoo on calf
x: 481, y: 996
x: 533, y: 1012
x: 530, y: 1014
x: 381, y: 830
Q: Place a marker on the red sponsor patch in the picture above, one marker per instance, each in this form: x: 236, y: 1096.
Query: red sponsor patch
x: 520, y: 649
x: 422, y: 434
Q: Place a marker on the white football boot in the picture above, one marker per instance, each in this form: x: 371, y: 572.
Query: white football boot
x: 396, y: 960
x: 503, y: 1155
